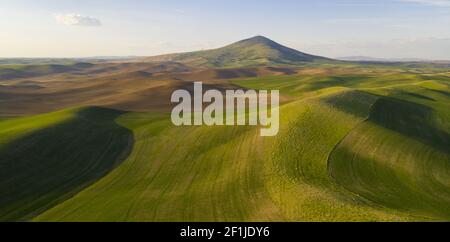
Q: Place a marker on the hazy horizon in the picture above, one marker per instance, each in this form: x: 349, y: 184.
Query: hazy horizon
x: 80, y: 29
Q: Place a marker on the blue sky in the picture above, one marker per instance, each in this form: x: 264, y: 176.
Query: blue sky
x: 77, y: 28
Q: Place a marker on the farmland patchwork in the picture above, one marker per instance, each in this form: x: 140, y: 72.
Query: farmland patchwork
x: 254, y: 131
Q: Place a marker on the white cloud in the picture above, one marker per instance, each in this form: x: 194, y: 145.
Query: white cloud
x: 77, y: 20
x: 445, y: 3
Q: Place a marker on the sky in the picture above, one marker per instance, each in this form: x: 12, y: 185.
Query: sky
x: 332, y: 28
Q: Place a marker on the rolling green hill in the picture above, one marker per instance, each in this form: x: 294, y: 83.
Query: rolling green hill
x: 226, y: 174
x: 46, y: 159
x: 357, y: 143
x: 400, y: 156
x: 256, y: 51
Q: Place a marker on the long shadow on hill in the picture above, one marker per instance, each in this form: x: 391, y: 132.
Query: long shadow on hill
x: 447, y: 94
x: 51, y: 165
x: 353, y: 102
x: 411, y: 119
x: 389, y: 169
x: 419, y: 96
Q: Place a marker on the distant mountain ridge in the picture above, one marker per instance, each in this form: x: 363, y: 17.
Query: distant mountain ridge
x: 62, y: 61
x: 374, y: 59
x: 256, y: 51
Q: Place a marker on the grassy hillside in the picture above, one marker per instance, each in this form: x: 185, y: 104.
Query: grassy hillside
x: 207, y: 174
x: 256, y: 51
x: 356, y: 143
x: 400, y: 156
x: 231, y: 173
x: 299, y: 183
x: 48, y: 158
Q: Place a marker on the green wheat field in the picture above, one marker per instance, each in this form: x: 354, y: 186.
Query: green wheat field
x: 95, y: 142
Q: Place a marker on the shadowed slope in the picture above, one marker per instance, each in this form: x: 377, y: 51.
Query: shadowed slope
x: 232, y: 174
x: 204, y: 174
x: 226, y: 173
x: 46, y: 159
x: 399, y: 157
x: 299, y: 182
